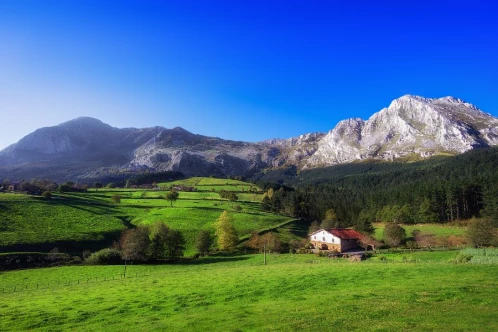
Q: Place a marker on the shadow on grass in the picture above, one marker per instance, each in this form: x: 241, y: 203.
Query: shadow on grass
x: 96, y: 241
x: 299, y: 227
x: 89, y: 205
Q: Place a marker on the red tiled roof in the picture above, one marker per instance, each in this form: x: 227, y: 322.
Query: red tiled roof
x: 345, y: 234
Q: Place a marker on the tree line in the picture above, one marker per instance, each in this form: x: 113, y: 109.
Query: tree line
x: 441, y: 189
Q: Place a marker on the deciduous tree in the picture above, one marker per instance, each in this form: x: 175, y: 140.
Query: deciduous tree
x: 315, y: 226
x: 481, y: 232
x: 394, y: 234
x: 226, y: 233
x: 158, y: 234
x: 175, y: 244
x: 204, y: 242
x: 172, y: 196
x: 134, y: 244
x: 330, y: 220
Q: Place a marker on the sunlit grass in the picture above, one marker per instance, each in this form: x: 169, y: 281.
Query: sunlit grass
x: 26, y: 219
x: 293, y: 292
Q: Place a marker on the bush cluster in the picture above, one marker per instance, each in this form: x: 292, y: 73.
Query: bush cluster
x: 106, y: 256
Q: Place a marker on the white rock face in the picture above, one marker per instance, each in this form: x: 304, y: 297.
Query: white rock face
x: 411, y: 125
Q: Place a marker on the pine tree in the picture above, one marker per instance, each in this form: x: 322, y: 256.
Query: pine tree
x: 226, y: 233
x: 425, y: 212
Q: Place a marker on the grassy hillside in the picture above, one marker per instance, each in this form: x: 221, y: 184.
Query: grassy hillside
x: 436, y: 229
x: 212, y: 184
x: 240, y: 294
x: 78, y: 221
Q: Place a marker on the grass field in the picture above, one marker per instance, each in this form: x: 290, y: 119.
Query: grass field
x: 436, y: 229
x: 293, y: 292
x: 78, y: 221
x: 212, y: 184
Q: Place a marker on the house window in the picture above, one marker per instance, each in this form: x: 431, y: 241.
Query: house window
x: 314, y: 237
x: 332, y: 239
x: 324, y: 239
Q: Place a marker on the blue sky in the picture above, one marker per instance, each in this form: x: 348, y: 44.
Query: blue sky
x: 244, y: 70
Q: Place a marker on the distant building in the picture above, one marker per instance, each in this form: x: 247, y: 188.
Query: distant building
x: 14, y: 187
x: 338, y: 239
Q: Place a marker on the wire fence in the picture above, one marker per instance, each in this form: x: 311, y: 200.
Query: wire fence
x: 12, y: 288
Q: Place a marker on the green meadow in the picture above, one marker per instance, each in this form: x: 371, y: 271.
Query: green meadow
x: 212, y: 184
x: 436, y: 229
x: 90, y: 220
x: 291, y: 293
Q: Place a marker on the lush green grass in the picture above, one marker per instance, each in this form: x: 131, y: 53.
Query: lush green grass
x: 240, y: 294
x: 417, y: 256
x: 212, y: 184
x: 436, y: 229
x: 27, y: 219
x: 74, y: 220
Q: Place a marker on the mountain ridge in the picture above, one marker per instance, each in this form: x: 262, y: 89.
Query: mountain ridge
x: 409, y: 126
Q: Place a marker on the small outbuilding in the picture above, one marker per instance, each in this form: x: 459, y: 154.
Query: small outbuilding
x: 338, y: 239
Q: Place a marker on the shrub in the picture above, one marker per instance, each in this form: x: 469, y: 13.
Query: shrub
x: 106, y: 256
x: 47, y: 195
x: 237, y: 208
x: 86, y: 253
x: 394, y: 234
x: 462, y: 258
x: 354, y: 258
x: 116, y: 199
x: 481, y: 232
x: 14, y: 261
x: 76, y: 260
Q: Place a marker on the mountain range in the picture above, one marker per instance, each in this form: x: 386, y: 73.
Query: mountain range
x: 85, y: 149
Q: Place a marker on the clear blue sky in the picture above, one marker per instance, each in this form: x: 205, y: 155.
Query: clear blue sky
x: 244, y: 70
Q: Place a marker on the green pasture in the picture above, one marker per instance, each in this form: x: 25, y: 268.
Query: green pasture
x: 291, y: 293
x: 90, y: 220
x: 436, y: 229
x: 212, y: 184
x: 27, y: 219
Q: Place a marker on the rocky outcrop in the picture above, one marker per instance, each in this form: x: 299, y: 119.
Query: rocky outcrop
x: 410, y: 126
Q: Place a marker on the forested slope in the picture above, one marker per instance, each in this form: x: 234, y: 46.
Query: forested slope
x: 440, y: 189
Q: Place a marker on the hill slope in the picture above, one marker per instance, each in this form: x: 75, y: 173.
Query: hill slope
x: 74, y: 222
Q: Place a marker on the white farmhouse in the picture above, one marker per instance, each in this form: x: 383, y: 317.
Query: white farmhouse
x: 335, y: 239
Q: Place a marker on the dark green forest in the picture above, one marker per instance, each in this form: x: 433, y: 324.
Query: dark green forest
x: 440, y: 189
